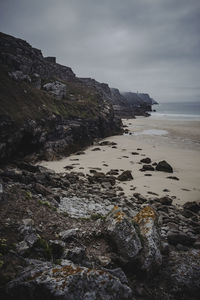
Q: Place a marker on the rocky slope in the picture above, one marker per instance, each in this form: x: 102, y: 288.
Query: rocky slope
x: 45, y: 108
x: 74, y: 236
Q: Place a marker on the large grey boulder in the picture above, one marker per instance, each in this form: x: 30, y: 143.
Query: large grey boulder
x: 151, y: 257
x: 56, y: 88
x: 123, y: 235
x: 69, y: 281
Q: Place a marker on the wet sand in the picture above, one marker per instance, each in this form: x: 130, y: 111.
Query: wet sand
x: 177, y: 142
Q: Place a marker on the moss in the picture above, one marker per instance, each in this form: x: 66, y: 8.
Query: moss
x: 45, y: 203
x: 97, y: 216
x: 44, y: 248
x: 28, y: 195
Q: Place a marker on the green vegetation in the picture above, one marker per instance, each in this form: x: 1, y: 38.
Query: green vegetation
x: 21, y: 101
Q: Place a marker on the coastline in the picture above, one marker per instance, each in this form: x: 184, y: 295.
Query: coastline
x: 179, y: 146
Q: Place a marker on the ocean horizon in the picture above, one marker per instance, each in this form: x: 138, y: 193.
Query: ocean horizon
x: 177, y: 111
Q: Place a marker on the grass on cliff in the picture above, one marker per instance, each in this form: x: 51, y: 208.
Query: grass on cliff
x: 21, y: 101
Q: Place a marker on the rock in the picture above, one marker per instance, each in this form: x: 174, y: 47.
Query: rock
x: 123, y: 235
x: 41, y: 189
x: 56, y: 88
x: 19, y: 76
x: 193, y: 206
x: 175, y: 238
x: 80, y: 153
x: 125, y: 176
x: 68, y: 234
x: 67, y: 282
x: 57, y: 248
x: 147, y: 168
x: 173, y: 177
x: 76, y: 255
x: 96, y: 149
x: 113, y: 172
x: 104, y: 260
x: 146, y: 160
x: 164, y: 167
x: 182, y: 274
x: 134, y: 153
x: 151, y: 258
x: 107, y: 143
x: 165, y: 200
x: 68, y: 167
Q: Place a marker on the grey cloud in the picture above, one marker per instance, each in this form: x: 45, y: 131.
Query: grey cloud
x: 145, y: 45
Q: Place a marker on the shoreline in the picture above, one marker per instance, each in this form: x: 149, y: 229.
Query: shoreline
x: 179, y: 146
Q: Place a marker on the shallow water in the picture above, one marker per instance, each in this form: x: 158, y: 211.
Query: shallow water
x: 151, y: 132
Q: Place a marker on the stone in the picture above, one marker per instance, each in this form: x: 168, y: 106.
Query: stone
x: 182, y: 274
x: 68, y: 281
x: 123, y: 235
x: 19, y: 76
x: 164, y: 167
x: 76, y: 255
x: 56, y: 88
x: 41, y: 189
x: 146, y: 160
x: 96, y: 149
x: 165, y: 201
x: 193, y: 206
x: 147, y: 168
x: 134, y: 153
x: 151, y: 257
x: 125, y: 176
x: 173, y: 177
x: 113, y: 172
x: 68, y: 234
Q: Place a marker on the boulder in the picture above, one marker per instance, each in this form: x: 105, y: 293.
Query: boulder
x: 164, y: 167
x: 165, y: 200
x: 123, y: 235
x: 147, y: 168
x: 68, y: 281
x: 151, y: 257
x: 68, y: 234
x: 56, y: 88
x: 146, y: 160
x: 125, y: 176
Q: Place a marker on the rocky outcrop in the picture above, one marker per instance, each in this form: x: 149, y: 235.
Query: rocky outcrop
x: 66, y: 230
x: 46, y: 110
x: 68, y: 281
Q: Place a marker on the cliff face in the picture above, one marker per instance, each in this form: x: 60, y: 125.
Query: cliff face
x: 140, y: 103
x: 45, y: 108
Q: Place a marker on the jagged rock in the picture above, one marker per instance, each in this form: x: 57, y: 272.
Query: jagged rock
x: 77, y: 255
x: 193, y: 206
x: 164, y: 167
x: 113, y: 172
x: 68, y: 234
x: 151, y: 255
x: 125, y: 176
x: 67, y: 282
x: 19, y: 76
x: 56, y: 88
x: 41, y: 189
x: 123, y: 235
x: 146, y: 160
x: 147, y: 168
x: 165, y: 201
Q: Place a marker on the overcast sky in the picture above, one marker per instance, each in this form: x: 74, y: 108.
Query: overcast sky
x: 135, y: 45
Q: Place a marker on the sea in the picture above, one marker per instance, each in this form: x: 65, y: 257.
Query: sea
x: 177, y: 111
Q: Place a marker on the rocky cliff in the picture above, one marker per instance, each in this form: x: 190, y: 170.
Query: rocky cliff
x: 45, y: 108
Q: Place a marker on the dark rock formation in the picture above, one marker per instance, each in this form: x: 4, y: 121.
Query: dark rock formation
x: 164, y: 167
x: 45, y: 108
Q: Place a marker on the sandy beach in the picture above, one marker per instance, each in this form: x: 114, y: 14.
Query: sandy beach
x: 176, y: 141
